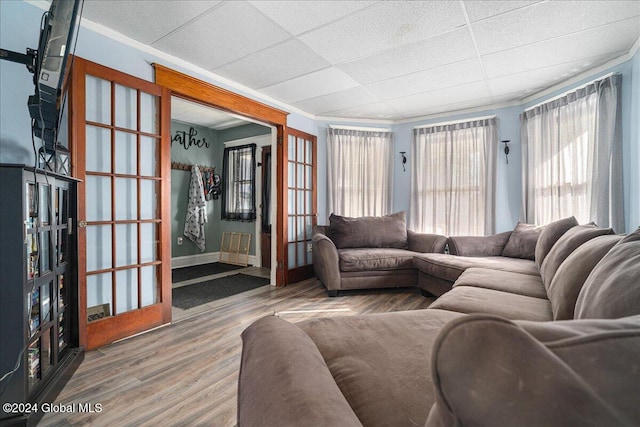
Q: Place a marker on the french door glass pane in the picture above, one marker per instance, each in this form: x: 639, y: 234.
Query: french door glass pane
x: 127, y: 198
x: 98, y: 149
x: 292, y: 254
x: 148, y: 113
x: 126, y: 107
x: 126, y: 153
x: 148, y: 208
x: 98, y: 100
x: 99, y: 290
x: 309, y: 177
x: 308, y: 151
x: 98, y: 247
x: 148, y: 161
x: 300, y: 150
x: 126, y: 290
x: 98, y: 199
x: 126, y: 244
x: 149, y: 286
x: 292, y: 174
x: 148, y: 245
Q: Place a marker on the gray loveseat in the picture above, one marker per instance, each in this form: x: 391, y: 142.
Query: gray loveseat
x: 508, y: 348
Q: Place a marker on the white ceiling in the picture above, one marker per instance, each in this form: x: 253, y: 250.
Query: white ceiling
x: 388, y: 60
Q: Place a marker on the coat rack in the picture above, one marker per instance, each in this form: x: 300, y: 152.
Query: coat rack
x: 187, y: 167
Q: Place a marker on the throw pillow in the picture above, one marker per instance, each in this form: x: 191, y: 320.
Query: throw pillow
x: 388, y: 231
x: 612, y: 290
x: 565, y: 245
x: 573, y: 272
x: 550, y: 235
x: 522, y: 242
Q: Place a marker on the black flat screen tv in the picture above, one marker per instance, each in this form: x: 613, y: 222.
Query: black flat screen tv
x: 50, y: 68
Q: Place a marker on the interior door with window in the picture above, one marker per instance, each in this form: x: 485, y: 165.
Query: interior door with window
x: 118, y: 126
x: 302, y: 211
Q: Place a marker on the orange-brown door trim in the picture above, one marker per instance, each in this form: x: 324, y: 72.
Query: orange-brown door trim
x: 196, y: 90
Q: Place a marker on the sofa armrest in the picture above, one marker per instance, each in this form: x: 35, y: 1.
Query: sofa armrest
x: 488, y: 371
x: 325, y: 261
x: 284, y: 380
x: 478, y: 245
x: 426, y: 243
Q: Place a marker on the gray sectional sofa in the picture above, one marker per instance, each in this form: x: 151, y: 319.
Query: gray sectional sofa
x: 549, y: 341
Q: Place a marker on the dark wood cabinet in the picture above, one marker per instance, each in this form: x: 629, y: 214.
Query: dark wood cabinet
x: 38, y: 290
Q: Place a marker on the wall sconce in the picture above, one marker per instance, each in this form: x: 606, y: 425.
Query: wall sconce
x: 506, y: 149
x: 404, y: 160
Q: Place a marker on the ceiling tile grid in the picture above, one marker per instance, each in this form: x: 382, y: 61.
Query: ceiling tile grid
x: 383, y: 59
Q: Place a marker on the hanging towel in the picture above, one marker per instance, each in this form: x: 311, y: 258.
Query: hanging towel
x: 196, y: 210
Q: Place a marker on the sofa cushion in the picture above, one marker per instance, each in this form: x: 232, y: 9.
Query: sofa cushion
x: 478, y: 245
x: 612, y: 290
x: 361, y: 259
x: 388, y: 231
x: 522, y: 241
x: 507, y: 281
x: 470, y: 299
x: 316, y: 398
x: 488, y: 371
x: 381, y: 362
x: 550, y: 235
x: 450, y: 267
x: 565, y: 245
x: 572, y: 273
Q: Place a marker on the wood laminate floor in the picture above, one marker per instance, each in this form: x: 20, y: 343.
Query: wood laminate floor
x: 187, y: 373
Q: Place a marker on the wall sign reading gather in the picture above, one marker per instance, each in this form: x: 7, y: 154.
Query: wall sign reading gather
x: 189, y: 139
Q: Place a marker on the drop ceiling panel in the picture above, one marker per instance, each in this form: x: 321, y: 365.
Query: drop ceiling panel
x: 385, y: 25
x: 311, y: 85
x: 481, y: 9
x: 556, y: 18
x: 274, y: 64
x: 335, y: 101
x: 453, y: 95
x: 216, y: 37
x: 443, y: 49
x: 446, y: 108
x: 428, y: 80
x: 196, y: 114
x: 300, y: 16
x: 145, y: 21
x: 379, y: 110
x: 525, y: 83
x: 604, y: 40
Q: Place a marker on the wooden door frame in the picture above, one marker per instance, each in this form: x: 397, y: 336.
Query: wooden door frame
x: 199, y: 91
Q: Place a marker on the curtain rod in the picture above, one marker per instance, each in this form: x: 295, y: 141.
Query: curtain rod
x: 563, y: 94
x: 360, y: 128
x: 454, y: 122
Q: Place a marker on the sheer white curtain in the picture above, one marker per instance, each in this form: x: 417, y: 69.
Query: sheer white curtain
x: 359, y: 172
x: 453, y: 178
x: 572, y: 157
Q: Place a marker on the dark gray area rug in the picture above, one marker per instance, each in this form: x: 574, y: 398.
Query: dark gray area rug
x: 188, y: 273
x: 186, y: 297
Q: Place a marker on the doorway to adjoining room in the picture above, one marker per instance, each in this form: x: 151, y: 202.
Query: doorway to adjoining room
x: 226, y: 204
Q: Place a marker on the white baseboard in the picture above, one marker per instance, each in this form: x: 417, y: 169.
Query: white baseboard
x: 190, y: 260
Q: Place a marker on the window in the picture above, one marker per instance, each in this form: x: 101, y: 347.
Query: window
x: 572, y: 157
x: 239, y: 178
x: 359, y: 172
x: 453, y: 178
